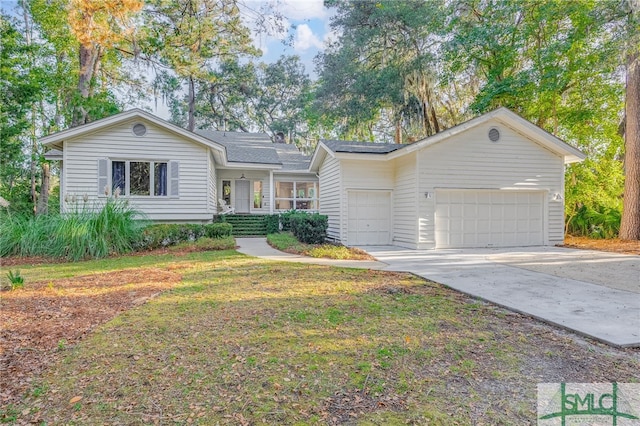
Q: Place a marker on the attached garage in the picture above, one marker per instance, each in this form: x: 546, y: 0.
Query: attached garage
x: 476, y: 218
x: 369, y: 217
x: 493, y: 181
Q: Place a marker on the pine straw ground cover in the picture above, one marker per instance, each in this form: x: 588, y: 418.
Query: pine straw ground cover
x: 244, y: 341
x: 613, y: 244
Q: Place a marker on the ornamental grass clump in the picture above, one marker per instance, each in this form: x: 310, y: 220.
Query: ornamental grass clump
x: 113, y: 228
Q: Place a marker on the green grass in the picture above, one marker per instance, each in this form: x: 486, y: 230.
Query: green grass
x: 248, y: 341
x: 287, y: 242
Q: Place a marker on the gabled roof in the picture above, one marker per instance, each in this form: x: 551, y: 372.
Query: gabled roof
x: 233, y: 149
x: 512, y: 120
x: 292, y: 159
x: 335, y: 147
x: 390, y: 151
x: 246, y: 147
x: 54, y: 140
x: 361, y: 147
x: 53, y: 154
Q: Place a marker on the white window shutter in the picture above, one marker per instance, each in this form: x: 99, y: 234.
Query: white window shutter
x: 174, y: 176
x: 103, y: 176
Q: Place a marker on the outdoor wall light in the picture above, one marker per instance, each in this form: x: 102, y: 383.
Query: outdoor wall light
x: 428, y: 195
x: 557, y: 197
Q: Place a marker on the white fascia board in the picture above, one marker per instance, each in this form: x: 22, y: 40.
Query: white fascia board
x: 319, y: 155
x: 94, y: 126
x: 296, y: 172
x: 509, y: 118
x: 362, y: 156
x: 245, y: 166
x: 541, y: 136
x: 439, y: 137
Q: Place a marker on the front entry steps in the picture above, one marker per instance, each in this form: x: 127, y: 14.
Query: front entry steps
x: 245, y: 225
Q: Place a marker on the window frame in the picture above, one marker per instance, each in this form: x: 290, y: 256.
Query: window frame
x: 295, y: 199
x: 126, y: 192
x: 258, y: 196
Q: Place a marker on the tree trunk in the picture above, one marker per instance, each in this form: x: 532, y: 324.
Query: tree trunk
x: 192, y: 104
x: 43, y: 200
x: 630, y: 226
x: 434, y: 117
x: 88, y: 56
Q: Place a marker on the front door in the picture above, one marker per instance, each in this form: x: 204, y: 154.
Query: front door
x: 243, y: 196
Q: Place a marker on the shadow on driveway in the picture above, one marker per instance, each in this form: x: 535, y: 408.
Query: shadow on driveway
x: 593, y: 293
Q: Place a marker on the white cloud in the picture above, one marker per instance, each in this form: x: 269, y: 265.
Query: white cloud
x: 302, y: 9
x: 306, y: 39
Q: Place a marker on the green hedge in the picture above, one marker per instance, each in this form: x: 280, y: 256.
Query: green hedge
x: 308, y: 228
x: 272, y: 223
x: 285, y: 219
x: 218, y: 230
x: 164, y: 235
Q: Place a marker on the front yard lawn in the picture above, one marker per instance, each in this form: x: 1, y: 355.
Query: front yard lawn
x: 242, y: 341
x: 287, y: 242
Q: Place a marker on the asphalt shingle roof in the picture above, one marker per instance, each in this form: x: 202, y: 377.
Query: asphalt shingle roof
x: 361, y: 147
x: 257, y: 148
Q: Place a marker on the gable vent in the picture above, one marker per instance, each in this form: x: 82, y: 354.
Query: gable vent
x: 494, y: 134
x: 139, y: 129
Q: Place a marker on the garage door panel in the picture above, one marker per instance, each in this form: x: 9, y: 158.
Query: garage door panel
x: 468, y: 218
x: 457, y: 198
x: 510, y: 226
x: 369, y: 217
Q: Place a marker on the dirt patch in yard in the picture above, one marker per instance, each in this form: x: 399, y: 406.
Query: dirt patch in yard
x: 613, y: 245
x: 45, y: 317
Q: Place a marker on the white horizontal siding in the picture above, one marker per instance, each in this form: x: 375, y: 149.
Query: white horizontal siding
x: 118, y: 142
x: 470, y: 160
x: 290, y: 177
x: 405, y: 208
x: 253, y: 176
x: 213, y: 187
x: 330, y: 190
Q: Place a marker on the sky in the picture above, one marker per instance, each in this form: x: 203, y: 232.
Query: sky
x: 302, y: 30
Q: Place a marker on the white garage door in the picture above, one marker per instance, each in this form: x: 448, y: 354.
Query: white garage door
x: 489, y: 218
x: 369, y: 217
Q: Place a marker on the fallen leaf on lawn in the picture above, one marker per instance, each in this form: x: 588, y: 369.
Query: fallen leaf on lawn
x: 75, y: 399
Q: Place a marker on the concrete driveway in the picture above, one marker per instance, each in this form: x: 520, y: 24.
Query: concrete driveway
x: 593, y: 293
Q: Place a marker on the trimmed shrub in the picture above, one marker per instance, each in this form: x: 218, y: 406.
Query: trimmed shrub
x: 285, y: 219
x: 272, y: 223
x: 218, y: 230
x: 164, y: 235
x: 309, y: 228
